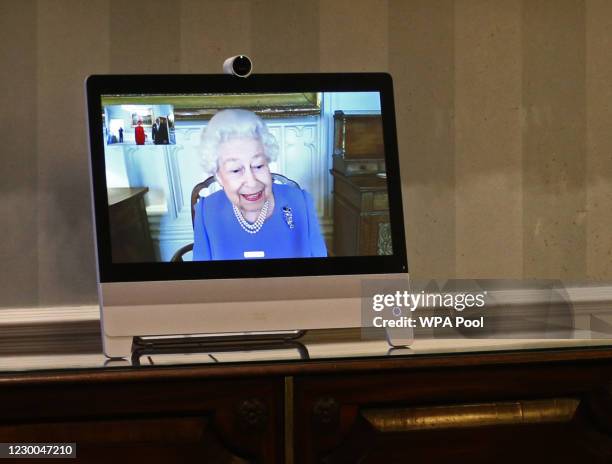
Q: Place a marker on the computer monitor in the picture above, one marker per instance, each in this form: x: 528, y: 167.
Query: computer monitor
x: 239, y: 205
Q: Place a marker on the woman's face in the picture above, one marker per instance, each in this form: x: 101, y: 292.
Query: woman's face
x: 244, y: 174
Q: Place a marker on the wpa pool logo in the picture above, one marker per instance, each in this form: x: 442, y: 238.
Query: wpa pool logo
x: 434, y: 322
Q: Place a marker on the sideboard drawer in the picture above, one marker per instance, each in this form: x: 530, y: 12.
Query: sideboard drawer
x: 487, y: 414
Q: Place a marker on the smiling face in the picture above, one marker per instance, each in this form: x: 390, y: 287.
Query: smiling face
x: 244, y: 174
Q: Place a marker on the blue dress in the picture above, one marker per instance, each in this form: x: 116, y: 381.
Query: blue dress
x: 219, y: 236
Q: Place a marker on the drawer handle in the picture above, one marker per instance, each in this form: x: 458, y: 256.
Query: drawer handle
x: 472, y: 415
x: 253, y: 414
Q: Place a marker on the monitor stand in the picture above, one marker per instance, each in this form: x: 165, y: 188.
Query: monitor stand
x: 128, y: 345
x: 121, y: 347
x: 243, y: 341
x: 219, y: 343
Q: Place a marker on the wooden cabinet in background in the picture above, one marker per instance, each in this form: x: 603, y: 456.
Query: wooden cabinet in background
x: 358, y: 136
x: 360, y: 202
x: 361, y: 216
x: 129, y: 226
x: 358, y: 144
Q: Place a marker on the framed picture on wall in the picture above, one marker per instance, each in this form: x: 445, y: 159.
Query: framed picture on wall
x: 145, y: 116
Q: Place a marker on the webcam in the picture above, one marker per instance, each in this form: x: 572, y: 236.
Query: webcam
x: 239, y: 65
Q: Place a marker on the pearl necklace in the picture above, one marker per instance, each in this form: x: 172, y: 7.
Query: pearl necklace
x: 258, y: 224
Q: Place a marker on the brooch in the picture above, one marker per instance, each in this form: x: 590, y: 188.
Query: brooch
x: 288, y: 216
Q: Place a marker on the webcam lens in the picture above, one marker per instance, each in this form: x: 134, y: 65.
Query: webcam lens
x: 242, y: 65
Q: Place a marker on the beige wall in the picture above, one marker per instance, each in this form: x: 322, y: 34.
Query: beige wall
x: 504, y: 119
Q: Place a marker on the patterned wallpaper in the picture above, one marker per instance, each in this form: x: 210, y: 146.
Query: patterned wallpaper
x: 504, y: 113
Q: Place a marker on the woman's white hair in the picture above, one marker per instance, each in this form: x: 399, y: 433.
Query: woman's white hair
x: 230, y: 124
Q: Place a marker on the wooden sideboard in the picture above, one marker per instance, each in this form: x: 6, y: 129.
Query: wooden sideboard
x: 523, y: 406
x: 507, y: 408
x: 129, y: 227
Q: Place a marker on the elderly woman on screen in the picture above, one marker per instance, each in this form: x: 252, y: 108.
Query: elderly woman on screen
x: 252, y: 217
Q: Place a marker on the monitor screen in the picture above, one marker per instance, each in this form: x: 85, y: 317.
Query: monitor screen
x: 222, y: 177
